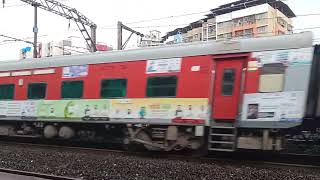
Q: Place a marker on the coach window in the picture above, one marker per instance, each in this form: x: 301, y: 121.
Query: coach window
x: 72, y: 89
x: 6, y: 91
x: 272, y: 77
x: 228, y: 82
x: 37, y: 90
x: 162, y: 86
x: 113, y: 88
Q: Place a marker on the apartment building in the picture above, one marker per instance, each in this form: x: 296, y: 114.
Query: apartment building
x: 260, y: 20
x: 240, y: 19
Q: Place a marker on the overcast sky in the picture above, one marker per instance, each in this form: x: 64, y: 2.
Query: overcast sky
x: 17, y: 20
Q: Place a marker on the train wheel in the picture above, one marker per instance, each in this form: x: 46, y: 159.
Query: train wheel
x: 66, y: 132
x: 50, y: 131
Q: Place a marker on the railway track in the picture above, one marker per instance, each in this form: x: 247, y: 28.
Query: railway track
x: 286, y: 160
x: 34, y: 175
x: 100, y: 163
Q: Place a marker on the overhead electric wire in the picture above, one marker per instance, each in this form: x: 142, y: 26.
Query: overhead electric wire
x: 180, y: 15
x: 114, y: 26
x: 12, y: 39
x: 161, y: 18
x: 194, y: 13
x: 67, y: 49
x: 14, y: 5
x: 299, y: 29
x: 176, y: 25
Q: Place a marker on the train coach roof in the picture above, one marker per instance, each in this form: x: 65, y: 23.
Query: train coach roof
x: 292, y: 41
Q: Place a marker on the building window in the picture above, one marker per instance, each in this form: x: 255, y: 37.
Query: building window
x: 261, y: 17
x: 225, y: 24
x: 282, y: 22
x: 162, y: 86
x: 248, y: 32
x: 72, y: 89
x: 238, y: 22
x: 239, y: 33
x: 211, y: 30
x: 6, y: 91
x: 225, y: 36
x: 37, y: 90
x: 228, y: 35
x: 228, y: 82
x: 113, y: 88
x: 272, y: 77
x: 262, y: 29
x: 249, y: 20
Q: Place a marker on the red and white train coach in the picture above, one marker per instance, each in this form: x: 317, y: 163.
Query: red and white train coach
x: 221, y: 95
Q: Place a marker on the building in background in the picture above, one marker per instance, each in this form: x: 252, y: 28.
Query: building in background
x: 151, y: 39
x: 240, y: 19
x: 55, y: 48
x: 59, y: 48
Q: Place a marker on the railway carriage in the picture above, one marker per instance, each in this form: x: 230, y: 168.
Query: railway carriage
x: 217, y: 95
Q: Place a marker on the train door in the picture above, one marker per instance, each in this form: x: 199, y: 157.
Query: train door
x: 227, y: 87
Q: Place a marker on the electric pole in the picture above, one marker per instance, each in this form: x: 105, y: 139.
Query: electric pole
x: 35, y: 30
x: 120, y: 27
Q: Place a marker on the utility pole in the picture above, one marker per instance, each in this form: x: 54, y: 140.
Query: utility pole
x: 119, y: 35
x: 120, y: 28
x: 35, y: 30
x: 93, y: 29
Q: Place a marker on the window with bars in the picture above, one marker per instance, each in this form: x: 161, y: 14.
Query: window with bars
x: 211, y: 30
x: 228, y: 82
x: 37, y: 90
x: 262, y: 29
x: 261, y: 16
x: 239, y: 33
x: 72, y: 89
x: 6, y: 91
x: 162, y: 86
x: 248, y: 32
x: 238, y: 22
x: 249, y: 20
x: 113, y: 88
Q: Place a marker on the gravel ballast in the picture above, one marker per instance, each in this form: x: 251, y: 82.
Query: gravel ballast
x: 112, y: 165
